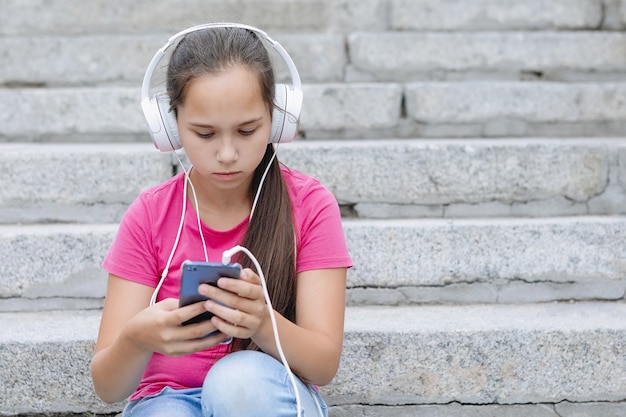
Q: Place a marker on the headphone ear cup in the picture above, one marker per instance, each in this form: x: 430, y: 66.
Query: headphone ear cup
x: 162, y: 122
x: 286, y: 113
x: 168, y: 139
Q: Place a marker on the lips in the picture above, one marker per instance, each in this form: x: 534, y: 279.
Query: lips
x: 226, y: 175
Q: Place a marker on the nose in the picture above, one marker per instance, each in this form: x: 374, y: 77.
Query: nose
x: 227, y: 151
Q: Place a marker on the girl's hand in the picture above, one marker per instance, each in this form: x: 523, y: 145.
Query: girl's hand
x: 159, y: 328
x: 243, y: 311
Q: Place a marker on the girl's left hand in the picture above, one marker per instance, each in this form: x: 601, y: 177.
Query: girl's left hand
x: 243, y: 311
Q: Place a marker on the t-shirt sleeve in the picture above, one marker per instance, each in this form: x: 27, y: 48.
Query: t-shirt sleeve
x: 322, y: 242
x: 132, y: 255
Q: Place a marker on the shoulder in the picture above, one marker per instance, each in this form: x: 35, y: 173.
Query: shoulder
x: 304, y: 189
x: 313, y: 205
x: 162, y: 192
x: 320, y: 241
x: 153, y: 201
x: 164, y: 189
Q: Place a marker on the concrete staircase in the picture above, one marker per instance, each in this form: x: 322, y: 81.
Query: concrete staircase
x: 477, y: 149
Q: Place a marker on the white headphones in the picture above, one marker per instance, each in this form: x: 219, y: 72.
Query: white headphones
x: 162, y: 121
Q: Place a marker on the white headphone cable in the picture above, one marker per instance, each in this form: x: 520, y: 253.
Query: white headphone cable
x: 226, y: 259
x: 195, y: 197
x: 197, y: 208
x: 178, y: 233
x: 258, y: 191
x: 226, y: 256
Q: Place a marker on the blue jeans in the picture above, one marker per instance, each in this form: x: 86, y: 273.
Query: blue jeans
x: 242, y: 384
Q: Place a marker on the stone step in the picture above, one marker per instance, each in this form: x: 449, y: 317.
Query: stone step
x: 393, y: 356
x: 486, y: 260
x: 340, y: 110
x: 121, y: 59
x: 414, y: 56
x: 495, y: 354
x: 395, y: 262
x: 140, y: 16
x: 455, y: 409
x: 504, y: 15
x: 506, y: 177
x: 114, y: 113
x: 493, y: 109
x: 75, y: 182
x: 538, y: 177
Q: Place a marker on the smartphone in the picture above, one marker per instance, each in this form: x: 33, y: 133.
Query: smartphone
x: 195, y: 273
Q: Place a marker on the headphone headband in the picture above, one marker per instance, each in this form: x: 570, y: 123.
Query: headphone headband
x: 162, y: 122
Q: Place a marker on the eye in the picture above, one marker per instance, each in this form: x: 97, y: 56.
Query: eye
x: 204, y: 135
x: 247, y: 132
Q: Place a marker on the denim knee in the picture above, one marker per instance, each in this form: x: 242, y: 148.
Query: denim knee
x: 250, y: 383
x: 167, y: 403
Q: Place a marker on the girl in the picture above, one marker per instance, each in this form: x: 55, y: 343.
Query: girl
x: 220, y: 87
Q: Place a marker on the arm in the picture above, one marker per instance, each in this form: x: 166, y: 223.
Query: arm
x: 131, y: 330
x: 313, y: 345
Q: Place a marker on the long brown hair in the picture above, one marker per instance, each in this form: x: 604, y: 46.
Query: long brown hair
x: 271, y: 232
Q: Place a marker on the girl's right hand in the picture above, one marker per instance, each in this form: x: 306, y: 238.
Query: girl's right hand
x: 159, y: 328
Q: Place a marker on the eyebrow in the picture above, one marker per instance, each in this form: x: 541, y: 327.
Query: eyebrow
x: 208, y: 126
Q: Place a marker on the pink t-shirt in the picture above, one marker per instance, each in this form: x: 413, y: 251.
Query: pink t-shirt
x: 146, y: 236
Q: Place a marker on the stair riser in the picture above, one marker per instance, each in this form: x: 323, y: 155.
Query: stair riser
x: 370, y: 179
x: 120, y: 60
x: 508, y: 357
x: 344, y: 111
x: 483, y: 261
x: 383, y: 57
x: 76, y: 17
x: 526, y: 354
x: 563, y: 409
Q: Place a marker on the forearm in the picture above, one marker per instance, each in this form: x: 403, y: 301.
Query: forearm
x: 312, y: 355
x: 117, y: 369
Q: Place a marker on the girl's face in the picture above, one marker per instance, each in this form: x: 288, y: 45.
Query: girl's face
x: 224, y: 126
